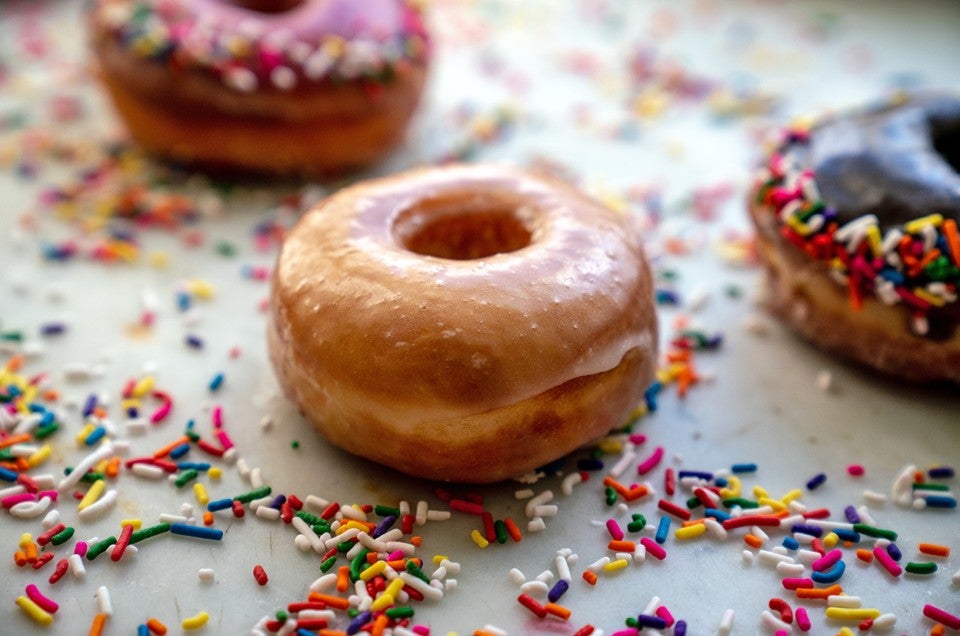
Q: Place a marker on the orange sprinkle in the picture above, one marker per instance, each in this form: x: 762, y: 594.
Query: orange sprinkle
x: 953, y: 240
x: 819, y: 593
x: 163, y: 452
x: 938, y: 630
x: 865, y: 555
x: 15, y: 439
x: 20, y: 558
x: 513, y: 530
x: 96, y: 629
x: 208, y: 518
x: 379, y: 625
x: 113, y: 467
x: 156, y: 627
x: 31, y: 551
x: 557, y: 610
x: 336, y: 602
x: 331, y: 632
x: 934, y: 549
x: 416, y: 540
x: 589, y: 577
x: 50, y: 395
x: 343, y: 577
x: 99, y: 412
x: 622, y: 546
x: 15, y: 362
x: 752, y: 540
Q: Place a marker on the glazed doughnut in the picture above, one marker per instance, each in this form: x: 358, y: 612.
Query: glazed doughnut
x: 305, y: 87
x: 463, y: 323
x: 856, y: 220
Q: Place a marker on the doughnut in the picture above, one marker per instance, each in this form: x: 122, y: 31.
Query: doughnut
x: 463, y: 323
x: 856, y: 218
x: 275, y: 87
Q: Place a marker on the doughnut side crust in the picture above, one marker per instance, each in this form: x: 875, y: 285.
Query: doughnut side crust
x: 801, y: 292
x: 525, y: 355
x: 319, y: 129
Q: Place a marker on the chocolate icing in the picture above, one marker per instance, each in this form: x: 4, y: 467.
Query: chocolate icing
x: 897, y: 161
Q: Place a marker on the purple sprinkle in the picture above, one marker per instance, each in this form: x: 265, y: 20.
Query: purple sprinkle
x: 941, y: 472
x: 654, y: 622
x: 557, y: 591
x: 894, y: 551
x: 52, y: 329
x: 799, y: 528
x: 278, y: 501
x: 90, y: 405
x: 680, y: 628
x: 359, y: 621
x: 851, y: 514
x: 194, y: 342
x: 384, y: 525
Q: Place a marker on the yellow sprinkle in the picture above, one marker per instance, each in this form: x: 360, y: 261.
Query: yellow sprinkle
x: 214, y: 472
x: 793, y: 495
x: 29, y: 395
x: 34, y: 611
x: 830, y: 539
x: 440, y: 558
x: 691, y: 531
x: 195, y: 622
x: 382, y: 602
x: 143, y: 386
x: 200, y: 288
x: 478, y: 539
x: 353, y: 523
x: 613, y: 566
x: 610, y: 445
x: 732, y: 489
x: 84, y: 432
x: 760, y: 491
x: 160, y: 260
x: 25, y: 539
x: 201, y: 493
x: 874, y: 240
x: 41, y: 455
x: 136, y: 523
x: 96, y: 489
x: 845, y: 631
x: 852, y: 613
x: 933, y: 299
x: 773, y: 503
x: 377, y: 567
x: 394, y: 587
x: 916, y: 225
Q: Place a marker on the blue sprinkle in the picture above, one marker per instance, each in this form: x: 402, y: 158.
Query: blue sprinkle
x: 847, y: 535
x: 654, y: 622
x: 219, y: 504
x: 7, y: 474
x: 720, y: 482
x: 894, y: 551
x: 95, y: 436
x: 739, y: 469
x: 699, y: 474
x: 790, y: 543
x: 719, y: 515
x: 667, y: 297
x: 650, y: 396
x: 558, y: 590
x: 198, y: 466
x: 216, y: 382
x: 143, y: 630
x: 662, y: 529
x: 816, y: 481
x: 830, y: 576
x: 197, y: 532
x: 194, y: 342
x: 180, y: 450
x: 183, y: 301
x: 940, y: 501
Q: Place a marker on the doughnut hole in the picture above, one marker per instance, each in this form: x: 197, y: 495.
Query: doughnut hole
x: 947, y: 144
x: 267, y: 6
x: 455, y: 231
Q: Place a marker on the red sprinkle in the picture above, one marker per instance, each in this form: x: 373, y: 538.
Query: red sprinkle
x: 531, y: 604
x: 855, y: 470
x: 260, y: 575
x: 676, y: 510
x: 122, y: 542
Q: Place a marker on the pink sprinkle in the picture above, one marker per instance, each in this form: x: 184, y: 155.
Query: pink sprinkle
x: 665, y: 614
x: 224, y: 439
x: 46, y: 604
x: 422, y: 630
x: 941, y: 616
x: 637, y: 438
x: 855, y: 470
x: 12, y: 500
x: 164, y: 409
x: 803, y: 620
x: 653, y: 548
x: 217, y: 416
x: 827, y: 561
x: 796, y: 583
x: 616, y: 532
x: 650, y: 462
x: 80, y: 548
x: 887, y: 561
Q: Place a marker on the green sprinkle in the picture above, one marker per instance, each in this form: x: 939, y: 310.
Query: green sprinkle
x: 310, y: 518
x: 414, y: 569
x: 259, y: 493
x: 46, y: 430
x: 295, y: 444
x: 185, y: 478
x: 926, y: 486
x: 926, y: 567
x: 404, y: 611
x: 358, y: 565
x: 12, y: 336
x: 500, y: 528
x: 224, y: 248
x: 639, y: 523
x: 344, y: 546
x: 150, y: 531
x: 386, y: 511
x: 877, y: 533
x: 327, y: 564
x: 281, y: 616
x: 610, y: 495
x: 99, y: 548
x: 741, y: 502
x: 693, y: 503
x: 193, y: 435
x: 91, y: 477
x: 62, y: 537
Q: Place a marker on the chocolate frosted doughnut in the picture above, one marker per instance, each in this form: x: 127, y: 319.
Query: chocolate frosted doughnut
x: 857, y: 225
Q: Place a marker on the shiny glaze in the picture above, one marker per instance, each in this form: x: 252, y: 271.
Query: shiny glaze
x: 885, y: 161
x: 458, y: 337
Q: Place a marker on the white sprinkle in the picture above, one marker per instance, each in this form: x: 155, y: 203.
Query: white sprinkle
x: 103, y: 600
x: 421, y: 515
x: 494, y: 630
x: 824, y: 381
x: 240, y: 79
x: 315, y: 503
x: 206, y: 575
x: 324, y: 583
x: 566, y: 486
x: 790, y: 569
x: 563, y: 568
x: 726, y: 622
x: 84, y: 465
x: 100, y: 506
x: 842, y: 600
x: 516, y: 576
x: 768, y: 556
x: 30, y: 509
x: 283, y: 78
x: 772, y: 621
x: 438, y: 515
x: 536, y: 525
x: 76, y: 566
x: 622, y: 464
x: 256, y: 477
x: 542, y: 498
x: 535, y: 588
x: 170, y: 518
x: 747, y: 557
x: 874, y: 498
x: 598, y: 564
x: 547, y: 510
x: 51, y: 519
x: 147, y: 470
x: 428, y: 591
x: 652, y: 606
x: 884, y: 622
